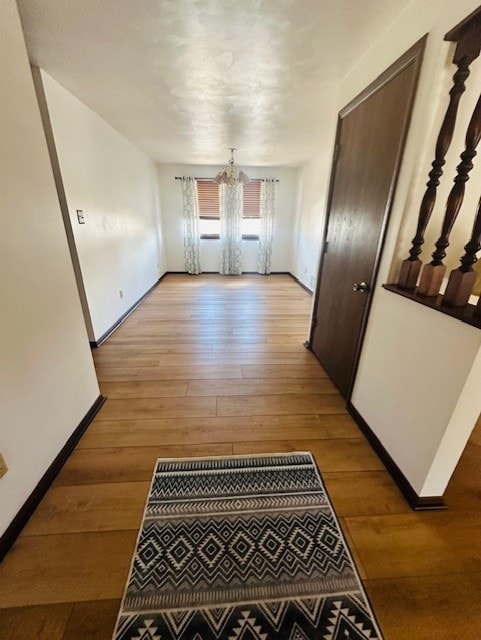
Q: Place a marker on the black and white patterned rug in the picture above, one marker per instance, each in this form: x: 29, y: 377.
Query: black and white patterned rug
x: 242, y: 548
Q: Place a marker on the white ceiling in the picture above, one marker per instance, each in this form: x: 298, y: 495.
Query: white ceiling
x: 186, y: 79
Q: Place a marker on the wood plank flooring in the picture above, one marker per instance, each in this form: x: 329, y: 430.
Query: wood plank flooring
x: 212, y: 365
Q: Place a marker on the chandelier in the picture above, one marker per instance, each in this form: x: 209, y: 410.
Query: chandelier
x: 231, y: 175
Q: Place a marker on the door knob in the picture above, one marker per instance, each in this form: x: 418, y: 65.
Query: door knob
x: 363, y: 287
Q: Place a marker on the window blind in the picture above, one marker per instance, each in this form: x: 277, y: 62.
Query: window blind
x: 208, y: 195
x: 252, y: 199
x: 209, y: 204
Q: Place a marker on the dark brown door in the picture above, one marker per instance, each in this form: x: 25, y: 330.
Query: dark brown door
x: 370, y: 139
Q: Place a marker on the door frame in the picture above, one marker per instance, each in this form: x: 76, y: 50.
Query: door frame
x: 414, y: 55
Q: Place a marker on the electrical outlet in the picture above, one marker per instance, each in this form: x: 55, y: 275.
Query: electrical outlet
x: 121, y: 293
x: 80, y: 216
x: 3, y: 466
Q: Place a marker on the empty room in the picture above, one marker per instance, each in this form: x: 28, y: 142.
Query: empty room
x: 241, y: 312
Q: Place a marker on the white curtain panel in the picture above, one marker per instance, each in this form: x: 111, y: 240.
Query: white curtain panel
x: 266, y: 231
x: 231, y: 230
x: 191, y: 225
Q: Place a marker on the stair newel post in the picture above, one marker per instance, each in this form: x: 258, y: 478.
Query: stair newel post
x: 433, y: 273
x: 461, y: 280
x: 467, y: 50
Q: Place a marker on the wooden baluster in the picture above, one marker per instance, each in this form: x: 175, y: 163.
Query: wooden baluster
x: 468, y: 38
x: 433, y: 273
x: 411, y: 267
x: 462, y: 279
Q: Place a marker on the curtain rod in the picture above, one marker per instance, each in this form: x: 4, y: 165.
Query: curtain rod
x: 253, y: 179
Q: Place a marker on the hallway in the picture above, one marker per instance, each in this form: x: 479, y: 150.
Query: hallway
x: 211, y: 365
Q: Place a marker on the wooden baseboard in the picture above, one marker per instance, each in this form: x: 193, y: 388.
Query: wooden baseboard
x: 301, y: 284
x: 22, y: 517
x: 418, y: 503
x: 247, y: 273
x: 96, y: 343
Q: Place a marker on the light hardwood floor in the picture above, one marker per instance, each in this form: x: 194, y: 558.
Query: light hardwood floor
x: 213, y: 365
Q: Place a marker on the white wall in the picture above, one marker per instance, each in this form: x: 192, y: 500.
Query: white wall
x: 414, y: 367
x: 416, y: 381
x: 310, y: 215
x: 171, y: 203
x: 47, y: 378
x: 120, y: 246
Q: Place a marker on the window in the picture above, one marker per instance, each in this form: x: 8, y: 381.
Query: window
x: 251, y: 210
x: 209, y: 209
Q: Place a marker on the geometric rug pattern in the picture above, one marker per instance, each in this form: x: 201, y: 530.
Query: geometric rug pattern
x: 242, y: 548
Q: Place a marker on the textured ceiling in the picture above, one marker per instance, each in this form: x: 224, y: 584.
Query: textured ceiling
x: 186, y: 79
